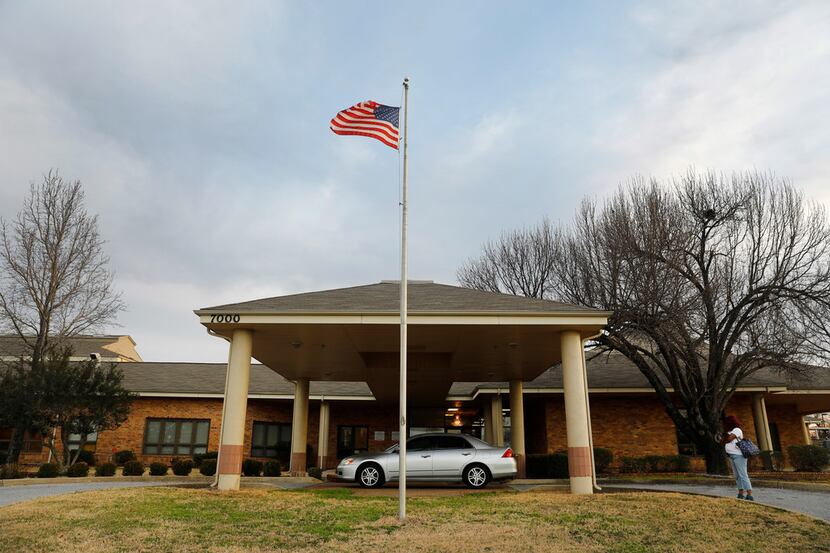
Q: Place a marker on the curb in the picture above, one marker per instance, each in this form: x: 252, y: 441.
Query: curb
x: 160, y: 480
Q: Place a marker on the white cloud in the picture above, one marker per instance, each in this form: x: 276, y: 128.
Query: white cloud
x: 738, y: 92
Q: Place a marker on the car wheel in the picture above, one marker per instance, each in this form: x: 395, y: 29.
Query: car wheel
x: 370, y: 476
x: 476, y: 476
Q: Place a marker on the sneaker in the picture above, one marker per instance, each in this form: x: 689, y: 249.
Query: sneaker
x: 740, y: 496
x: 749, y: 498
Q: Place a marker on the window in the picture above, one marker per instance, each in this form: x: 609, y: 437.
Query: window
x: 32, y: 443
x: 451, y: 442
x: 351, y: 440
x: 271, y: 439
x: 423, y: 443
x: 176, y: 436
x: 74, y: 442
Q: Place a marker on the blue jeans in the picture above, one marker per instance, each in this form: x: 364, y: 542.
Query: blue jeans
x: 739, y: 469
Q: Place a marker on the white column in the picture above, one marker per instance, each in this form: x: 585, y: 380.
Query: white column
x: 759, y: 413
x: 487, y: 415
x: 323, y: 438
x: 299, y: 428
x: 497, y: 421
x: 576, y: 414
x: 517, y: 424
x: 232, y: 433
x: 807, y: 439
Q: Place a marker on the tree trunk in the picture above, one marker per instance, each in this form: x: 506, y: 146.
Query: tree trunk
x: 715, y: 457
x: 15, y: 447
x: 53, y: 449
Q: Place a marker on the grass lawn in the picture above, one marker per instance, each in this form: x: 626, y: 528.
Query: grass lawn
x: 161, y: 519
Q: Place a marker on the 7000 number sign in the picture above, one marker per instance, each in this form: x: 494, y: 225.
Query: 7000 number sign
x: 222, y: 318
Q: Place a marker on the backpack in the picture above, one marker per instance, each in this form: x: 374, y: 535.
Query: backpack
x: 748, y: 448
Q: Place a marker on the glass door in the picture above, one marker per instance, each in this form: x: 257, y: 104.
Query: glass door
x: 352, y: 440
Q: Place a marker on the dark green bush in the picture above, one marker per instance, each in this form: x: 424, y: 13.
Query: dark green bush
x: 679, y: 463
x: 10, y: 472
x: 48, y: 470
x: 208, y: 467
x: 78, y: 470
x: 808, y: 458
x: 182, y: 467
x: 632, y: 464
x: 158, y: 469
x: 199, y: 457
x: 123, y: 457
x: 603, y: 457
x: 316, y: 472
x: 555, y: 465
x: 87, y: 457
x: 271, y: 468
x: 547, y: 465
x: 767, y: 460
x: 656, y: 463
x: 133, y: 468
x: 105, y: 469
x: 251, y: 467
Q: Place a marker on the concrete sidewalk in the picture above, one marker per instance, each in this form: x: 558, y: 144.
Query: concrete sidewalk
x: 25, y: 490
x: 813, y: 503
x: 15, y: 494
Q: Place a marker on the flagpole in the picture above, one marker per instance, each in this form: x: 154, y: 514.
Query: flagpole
x: 402, y: 434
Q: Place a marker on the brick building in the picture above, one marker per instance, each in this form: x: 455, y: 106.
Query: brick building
x: 179, y: 409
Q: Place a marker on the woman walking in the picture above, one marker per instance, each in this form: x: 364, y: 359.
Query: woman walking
x: 734, y: 433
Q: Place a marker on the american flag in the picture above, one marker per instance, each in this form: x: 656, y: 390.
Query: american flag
x: 370, y: 119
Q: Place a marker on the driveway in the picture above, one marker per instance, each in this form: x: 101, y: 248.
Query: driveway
x: 815, y: 504
x: 15, y: 494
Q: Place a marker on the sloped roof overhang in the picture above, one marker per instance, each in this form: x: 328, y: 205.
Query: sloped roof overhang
x: 493, y: 337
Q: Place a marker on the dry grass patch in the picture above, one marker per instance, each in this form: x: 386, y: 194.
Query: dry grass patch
x: 160, y: 519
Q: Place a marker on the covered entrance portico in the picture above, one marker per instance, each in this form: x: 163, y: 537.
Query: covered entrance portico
x: 455, y: 335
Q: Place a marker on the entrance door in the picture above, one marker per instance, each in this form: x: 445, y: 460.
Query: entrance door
x: 352, y: 440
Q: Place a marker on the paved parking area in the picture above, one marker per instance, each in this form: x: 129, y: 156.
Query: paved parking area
x: 815, y: 504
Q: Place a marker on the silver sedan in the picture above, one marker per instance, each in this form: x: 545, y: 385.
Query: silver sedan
x: 433, y: 457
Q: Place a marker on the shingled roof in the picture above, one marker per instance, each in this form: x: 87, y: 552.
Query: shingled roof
x: 105, y: 346
x: 383, y: 297
x: 608, y: 371
x: 209, y: 379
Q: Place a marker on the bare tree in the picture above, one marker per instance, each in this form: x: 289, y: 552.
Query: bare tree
x: 711, y: 279
x: 521, y: 262
x: 54, y: 280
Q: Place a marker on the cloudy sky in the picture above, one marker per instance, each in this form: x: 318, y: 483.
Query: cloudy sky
x: 200, y: 129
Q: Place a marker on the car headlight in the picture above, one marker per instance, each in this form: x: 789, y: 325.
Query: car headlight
x: 348, y: 461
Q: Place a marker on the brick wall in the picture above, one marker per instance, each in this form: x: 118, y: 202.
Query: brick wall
x: 636, y: 426
x: 789, y: 424
x: 629, y: 426
x: 131, y: 434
